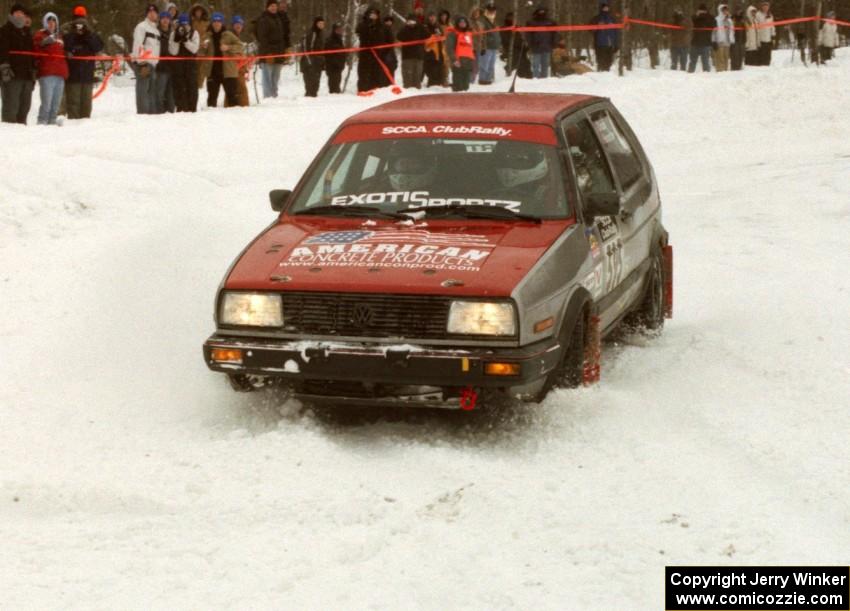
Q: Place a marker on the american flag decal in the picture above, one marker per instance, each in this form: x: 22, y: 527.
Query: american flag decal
x: 416, y: 236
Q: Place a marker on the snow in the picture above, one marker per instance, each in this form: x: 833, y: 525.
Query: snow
x: 132, y: 477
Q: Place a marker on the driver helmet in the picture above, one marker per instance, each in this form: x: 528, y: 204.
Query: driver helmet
x: 519, y: 163
x: 412, y: 165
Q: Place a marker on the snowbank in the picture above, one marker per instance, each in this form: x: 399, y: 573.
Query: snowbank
x: 133, y: 478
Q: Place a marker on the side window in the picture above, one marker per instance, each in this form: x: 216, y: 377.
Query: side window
x: 370, y: 168
x: 623, y: 157
x: 592, y: 172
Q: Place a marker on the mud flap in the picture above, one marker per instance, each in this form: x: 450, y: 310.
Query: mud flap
x: 592, y: 351
x: 667, y: 271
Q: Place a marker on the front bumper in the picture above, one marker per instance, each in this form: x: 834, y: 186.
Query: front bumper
x: 332, y: 369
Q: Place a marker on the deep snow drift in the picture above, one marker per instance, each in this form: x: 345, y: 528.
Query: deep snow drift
x: 133, y: 478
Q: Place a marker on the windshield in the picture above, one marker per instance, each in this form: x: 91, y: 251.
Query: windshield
x: 393, y: 175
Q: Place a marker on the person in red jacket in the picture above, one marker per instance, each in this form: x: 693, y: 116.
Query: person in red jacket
x: 52, y: 68
x: 461, y: 53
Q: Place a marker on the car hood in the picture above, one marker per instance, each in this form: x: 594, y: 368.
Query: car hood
x: 444, y: 257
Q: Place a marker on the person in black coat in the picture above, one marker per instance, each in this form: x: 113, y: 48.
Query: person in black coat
x: 272, y: 39
x: 335, y: 62
x: 703, y: 26
x: 80, y: 41
x: 413, y: 55
x: 371, y: 33
x: 17, y: 72
x: 312, y: 65
x: 541, y: 43
x: 388, y: 56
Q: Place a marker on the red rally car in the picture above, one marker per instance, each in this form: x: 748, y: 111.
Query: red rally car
x: 447, y: 250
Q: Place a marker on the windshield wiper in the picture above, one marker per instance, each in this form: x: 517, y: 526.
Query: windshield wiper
x: 475, y: 212
x: 368, y: 211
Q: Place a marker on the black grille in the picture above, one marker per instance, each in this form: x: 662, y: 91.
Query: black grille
x: 366, y: 314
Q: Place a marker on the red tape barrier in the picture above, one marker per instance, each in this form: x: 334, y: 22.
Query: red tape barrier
x: 248, y: 60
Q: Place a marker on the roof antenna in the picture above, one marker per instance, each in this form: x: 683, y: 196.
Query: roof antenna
x: 513, y: 82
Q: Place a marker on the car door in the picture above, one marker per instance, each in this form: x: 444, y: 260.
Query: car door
x: 634, y: 182
x: 592, y: 174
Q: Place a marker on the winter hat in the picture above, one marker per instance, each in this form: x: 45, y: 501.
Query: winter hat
x: 702, y: 7
x: 237, y: 20
x: 17, y: 6
x: 80, y: 11
x: 217, y: 17
x: 183, y: 19
x: 47, y: 17
x: 270, y: 2
x: 165, y: 15
x: 151, y: 7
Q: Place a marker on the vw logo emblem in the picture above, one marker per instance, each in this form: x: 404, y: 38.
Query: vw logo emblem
x: 362, y: 315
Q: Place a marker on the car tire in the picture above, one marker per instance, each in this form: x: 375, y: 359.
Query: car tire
x: 650, y: 314
x: 570, y: 370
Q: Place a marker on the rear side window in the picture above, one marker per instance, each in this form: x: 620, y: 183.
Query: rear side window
x: 592, y: 172
x: 626, y: 164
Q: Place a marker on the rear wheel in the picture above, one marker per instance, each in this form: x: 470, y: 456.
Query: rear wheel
x: 570, y: 370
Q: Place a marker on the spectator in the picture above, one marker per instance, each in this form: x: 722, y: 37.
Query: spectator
x: 271, y: 40
x: 433, y: 61
x: 605, y: 42
x: 565, y: 65
x: 146, y: 48
x: 388, y: 55
x: 335, y: 62
x: 679, y: 42
x: 237, y: 25
x: 164, y: 89
x: 419, y: 11
x: 722, y: 38
x: 219, y: 43
x: 461, y: 53
x: 766, y: 33
x: 16, y: 71
x: 371, y: 33
x: 52, y: 68
x: 490, y: 46
x: 201, y: 24
x: 184, y: 41
x: 313, y: 65
x: 172, y: 11
x: 412, y: 55
x: 736, y: 51
x: 827, y: 38
x: 752, y: 56
x: 476, y: 28
x: 541, y: 43
x: 80, y: 41
x: 701, y: 39
x: 444, y: 19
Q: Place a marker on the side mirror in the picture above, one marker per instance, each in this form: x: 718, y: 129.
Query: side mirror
x: 278, y: 198
x: 602, y: 204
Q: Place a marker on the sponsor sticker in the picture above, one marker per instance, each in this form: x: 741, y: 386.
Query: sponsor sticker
x: 416, y: 199
x: 607, y: 228
x: 397, y: 248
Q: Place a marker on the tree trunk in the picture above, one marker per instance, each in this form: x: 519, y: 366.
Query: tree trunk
x: 625, y: 62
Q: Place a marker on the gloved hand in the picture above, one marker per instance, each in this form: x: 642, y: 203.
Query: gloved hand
x: 6, y: 73
x: 145, y: 70
x: 48, y: 40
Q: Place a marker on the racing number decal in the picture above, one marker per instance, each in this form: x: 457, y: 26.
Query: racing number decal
x: 612, y: 246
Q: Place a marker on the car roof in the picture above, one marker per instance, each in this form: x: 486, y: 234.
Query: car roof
x: 479, y: 107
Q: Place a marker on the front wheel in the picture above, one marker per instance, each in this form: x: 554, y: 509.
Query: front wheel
x: 570, y: 370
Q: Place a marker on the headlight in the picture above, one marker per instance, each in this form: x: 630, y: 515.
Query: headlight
x: 481, y: 318
x: 252, y: 310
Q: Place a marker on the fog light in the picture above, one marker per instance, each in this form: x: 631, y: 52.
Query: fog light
x: 502, y: 369
x: 226, y: 355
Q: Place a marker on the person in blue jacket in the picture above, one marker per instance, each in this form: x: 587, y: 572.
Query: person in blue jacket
x: 605, y: 42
